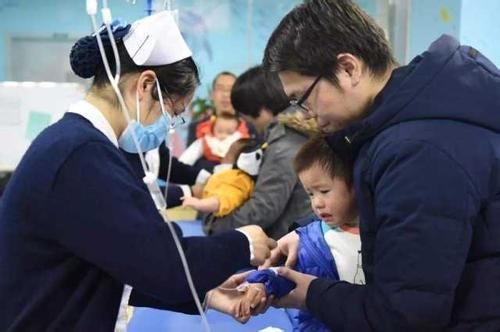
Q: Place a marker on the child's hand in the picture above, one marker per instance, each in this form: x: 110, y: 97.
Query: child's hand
x: 191, y: 202
x: 231, y: 297
x: 210, y: 204
x: 252, y: 296
x: 255, y: 301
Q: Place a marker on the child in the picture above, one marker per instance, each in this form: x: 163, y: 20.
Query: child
x: 230, y: 188
x: 330, y: 245
x: 214, y: 138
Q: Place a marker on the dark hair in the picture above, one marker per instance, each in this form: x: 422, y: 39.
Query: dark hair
x: 255, y: 89
x: 310, y: 37
x: 244, y: 145
x: 176, y: 79
x: 222, y: 73
x: 227, y: 116
x: 317, y: 151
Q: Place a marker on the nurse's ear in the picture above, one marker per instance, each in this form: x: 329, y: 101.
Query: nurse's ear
x: 145, y: 85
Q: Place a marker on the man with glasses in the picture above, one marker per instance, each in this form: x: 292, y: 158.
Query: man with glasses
x: 299, y: 104
x: 425, y: 138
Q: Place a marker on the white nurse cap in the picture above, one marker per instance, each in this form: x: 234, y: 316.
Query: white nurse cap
x: 156, y: 40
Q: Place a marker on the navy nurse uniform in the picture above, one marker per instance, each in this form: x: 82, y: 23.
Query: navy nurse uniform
x: 77, y: 224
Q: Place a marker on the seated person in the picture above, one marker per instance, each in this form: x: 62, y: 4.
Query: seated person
x: 220, y: 98
x: 330, y: 245
x: 230, y: 188
x: 278, y: 199
x: 215, y: 136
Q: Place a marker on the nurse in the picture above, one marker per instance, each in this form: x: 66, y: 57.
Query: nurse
x: 77, y: 224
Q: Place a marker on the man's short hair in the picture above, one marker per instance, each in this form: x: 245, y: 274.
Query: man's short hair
x: 310, y: 37
x: 255, y: 89
x: 222, y: 73
x: 317, y: 152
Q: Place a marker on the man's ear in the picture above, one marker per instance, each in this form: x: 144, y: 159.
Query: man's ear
x: 350, y: 67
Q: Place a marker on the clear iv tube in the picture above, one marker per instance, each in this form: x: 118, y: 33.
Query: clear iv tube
x: 174, y: 234
x: 114, y: 84
x: 167, y: 4
x: 118, y: 68
x: 169, y: 168
x: 187, y: 271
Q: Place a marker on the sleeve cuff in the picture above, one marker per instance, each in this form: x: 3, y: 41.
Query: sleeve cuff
x: 203, y: 176
x: 316, y: 289
x: 186, y: 191
x: 250, y: 245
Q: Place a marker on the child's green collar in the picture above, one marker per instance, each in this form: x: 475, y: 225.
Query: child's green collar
x: 325, y: 227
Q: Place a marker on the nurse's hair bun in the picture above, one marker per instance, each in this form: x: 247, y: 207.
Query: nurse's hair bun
x: 85, y: 58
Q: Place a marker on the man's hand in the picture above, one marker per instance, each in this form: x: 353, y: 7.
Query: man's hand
x: 262, y: 245
x: 288, y: 246
x: 232, y: 153
x: 297, y: 297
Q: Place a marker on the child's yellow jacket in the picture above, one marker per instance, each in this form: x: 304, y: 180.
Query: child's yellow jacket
x: 233, y: 187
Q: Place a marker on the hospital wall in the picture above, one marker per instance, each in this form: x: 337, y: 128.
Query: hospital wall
x: 223, y: 34
x: 473, y: 22
x: 226, y: 34
x: 480, y: 27
x: 429, y: 19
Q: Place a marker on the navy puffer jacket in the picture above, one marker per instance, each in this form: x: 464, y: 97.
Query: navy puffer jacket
x: 427, y: 179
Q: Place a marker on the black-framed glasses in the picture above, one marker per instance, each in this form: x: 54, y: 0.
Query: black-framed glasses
x: 176, y: 119
x: 299, y: 103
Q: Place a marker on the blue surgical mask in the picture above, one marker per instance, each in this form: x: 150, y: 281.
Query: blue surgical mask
x: 149, y: 136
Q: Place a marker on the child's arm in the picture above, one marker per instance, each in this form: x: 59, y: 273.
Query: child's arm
x: 210, y: 204
x: 236, y: 298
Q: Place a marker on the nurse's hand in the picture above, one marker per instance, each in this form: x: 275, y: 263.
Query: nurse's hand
x: 262, y: 245
x: 288, y: 246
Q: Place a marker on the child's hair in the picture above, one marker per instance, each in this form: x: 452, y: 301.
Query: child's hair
x: 228, y: 116
x: 317, y: 151
x: 243, y: 145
